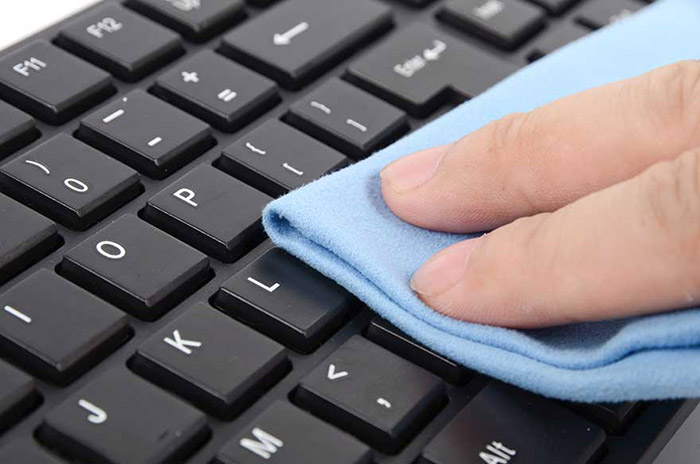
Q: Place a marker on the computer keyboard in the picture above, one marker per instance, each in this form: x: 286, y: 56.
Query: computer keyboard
x: 145, y: 318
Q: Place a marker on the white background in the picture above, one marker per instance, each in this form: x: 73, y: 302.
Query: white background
x: 21, y: 18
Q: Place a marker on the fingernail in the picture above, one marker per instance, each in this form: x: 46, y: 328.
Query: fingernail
x: 413, y: 170
x: 443, y: 270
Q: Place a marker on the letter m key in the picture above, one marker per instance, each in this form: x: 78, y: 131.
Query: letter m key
x: 264, y: 445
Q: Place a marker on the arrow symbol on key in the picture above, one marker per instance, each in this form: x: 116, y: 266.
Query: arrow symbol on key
x: 286, y: 37
x: 333, y: 375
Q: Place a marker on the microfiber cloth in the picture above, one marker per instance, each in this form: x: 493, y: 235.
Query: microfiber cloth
x: 341, y: 226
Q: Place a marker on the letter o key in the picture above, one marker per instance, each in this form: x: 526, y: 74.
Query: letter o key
x: 106, y: 248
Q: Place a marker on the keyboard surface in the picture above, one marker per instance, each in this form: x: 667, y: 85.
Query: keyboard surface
x: 145, y: 318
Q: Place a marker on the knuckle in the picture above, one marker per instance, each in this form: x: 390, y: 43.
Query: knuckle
x: 672, y: 202
x: 674, y: 93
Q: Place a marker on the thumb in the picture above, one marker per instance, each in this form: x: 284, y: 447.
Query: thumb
x: 631, y: 249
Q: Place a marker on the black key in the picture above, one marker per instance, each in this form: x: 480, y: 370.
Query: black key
x: 416, y: 2
x: 211, y: 360
x: 136, y: 266
x: 120, y: 418
x: 195, y: 19
x: 25, y: 237
x: 277, y: 158
x: 556, y: 38
x: 214, y: 88
x: 283, y: 433
x: 124, y: 43
x: 70, y: 181
x: 146, y: 133
x: 212, y: 211
x: 55, y: 329
x: 347, y: 118
x: 393, y: 339
x: 299, y: 39
x: 504, y: 23
x: 287, y: 300
x: 613, y: 417
x: 25, y: 451
x: 17, y: 396
x: 555, y: 7
x: 419, y: 68
x: 510, y: 426
x: 50, y: 83
x: 17, y: 129
x: 600, y: 13
x: 372, y: 393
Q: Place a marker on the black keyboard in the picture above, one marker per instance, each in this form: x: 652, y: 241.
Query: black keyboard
x: 145, y: 318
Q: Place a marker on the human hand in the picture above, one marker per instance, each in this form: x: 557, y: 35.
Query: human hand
x: 595, y: 202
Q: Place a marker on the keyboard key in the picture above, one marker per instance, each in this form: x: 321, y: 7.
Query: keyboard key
x: 555, y: 7
x: 505, y: 425
x: 137, y: 267
x: 146, y: 133
x: 613, y: 417
x: 70, y: 181
x: 599, y: 13
x: 347, y: 118
x: 119, y: 418
x: 25, y: 237
x: 211, y: 211
x: 298, y: 40
x: 51, y: 84
x: 385, y: 334
x: 17, y: 396
x: 124, y: 43
x: 211, y: 360
x: 277, y: 158
x: 57, y: 330
x: 555, y: 39
x: 283, y: 433
x: 372, y: 393
x: 17, y: 129
x: 195, y: 19
x: 25, y: 451
x: 286, y: 300
x: 217, y: 90
x: 420, y: 68
x: 504, y: 23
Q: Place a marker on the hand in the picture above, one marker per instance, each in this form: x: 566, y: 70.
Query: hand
x: 595, y: 202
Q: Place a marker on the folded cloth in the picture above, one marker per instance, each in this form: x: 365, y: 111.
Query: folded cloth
x: 341, y: 226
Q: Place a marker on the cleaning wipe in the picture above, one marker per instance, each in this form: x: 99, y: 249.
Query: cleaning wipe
x: 341, y: 226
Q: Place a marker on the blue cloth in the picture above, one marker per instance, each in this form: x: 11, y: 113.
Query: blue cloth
x: 341, y: 226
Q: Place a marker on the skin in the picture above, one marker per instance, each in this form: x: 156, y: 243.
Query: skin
x: 594, y: 203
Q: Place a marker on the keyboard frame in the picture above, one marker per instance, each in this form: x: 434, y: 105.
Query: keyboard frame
x: 646, y: 437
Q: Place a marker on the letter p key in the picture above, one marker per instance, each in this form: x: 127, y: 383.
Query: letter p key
x: 187, y: 196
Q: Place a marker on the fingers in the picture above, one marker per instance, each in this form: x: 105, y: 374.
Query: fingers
x: 630, y: 249
x: 529, y: 163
